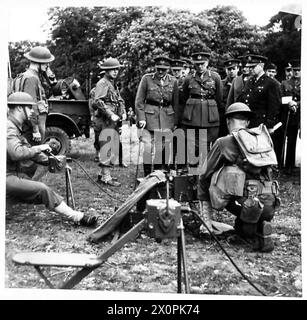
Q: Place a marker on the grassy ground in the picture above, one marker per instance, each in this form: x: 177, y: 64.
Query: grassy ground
x: 145, y: 265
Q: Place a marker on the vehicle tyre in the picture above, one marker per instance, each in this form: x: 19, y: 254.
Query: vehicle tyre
x: 58, y: 140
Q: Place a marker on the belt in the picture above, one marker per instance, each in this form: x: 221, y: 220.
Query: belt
x: 200, y: 96
x: 158, y: 104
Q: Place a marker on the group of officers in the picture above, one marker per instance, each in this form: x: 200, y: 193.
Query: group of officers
x: 185, y: 94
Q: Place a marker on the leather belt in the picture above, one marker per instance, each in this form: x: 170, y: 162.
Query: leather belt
x: 200, y: 96
x: 162, y: 104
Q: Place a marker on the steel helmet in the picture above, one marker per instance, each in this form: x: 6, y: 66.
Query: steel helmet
x: 238, y: 107
x: 39, y: 54
x: 20, y: 99
x: 109, y: 64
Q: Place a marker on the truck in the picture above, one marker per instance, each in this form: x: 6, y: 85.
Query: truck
x: 69, y: 116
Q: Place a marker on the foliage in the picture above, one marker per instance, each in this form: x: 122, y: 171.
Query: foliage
x: 83, y: 36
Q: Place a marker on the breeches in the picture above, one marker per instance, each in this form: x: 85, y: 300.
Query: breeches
x: 29, y: 191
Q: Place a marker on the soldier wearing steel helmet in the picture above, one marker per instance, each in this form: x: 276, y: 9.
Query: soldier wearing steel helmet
x: 31, y: 82
x: 21, y: 162
x: 110, y: 111
x: 227, y: 164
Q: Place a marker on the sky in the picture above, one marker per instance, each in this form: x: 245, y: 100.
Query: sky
x: 33, y: 20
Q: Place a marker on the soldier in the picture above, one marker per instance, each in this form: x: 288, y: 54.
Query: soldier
x: 202, y: 94
x: 271, y: 70
x: 230, y: 180
x: 239, y: 82
x: 232, y: 69
x: 156, y: 106
x: 291, y: 110
x: 288, y: 71
x: 261, y: 94
x: 110, y: 109
x: 21, y: 162
x: 31, y: 82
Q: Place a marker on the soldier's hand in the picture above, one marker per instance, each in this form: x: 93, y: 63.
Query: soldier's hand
x: 45, y: 148
x: 142, y: 124
x: 42, y: 106
x: 292, y: 106
x: 114, y: 117
x: 124, y: 117
x: 36, y: 136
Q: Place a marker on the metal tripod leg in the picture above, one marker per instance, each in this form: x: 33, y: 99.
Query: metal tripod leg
x: 69, y: 190
x: 181, y: 254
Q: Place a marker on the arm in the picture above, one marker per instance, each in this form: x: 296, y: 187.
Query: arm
x: 273, y: 104
x: 140, y: 100
x: 219, y: 93
x: 19, y: 149
x: 101, y: 96
x: 175, y: 102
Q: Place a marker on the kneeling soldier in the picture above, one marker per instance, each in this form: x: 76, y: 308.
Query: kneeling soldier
x: 240, y: 181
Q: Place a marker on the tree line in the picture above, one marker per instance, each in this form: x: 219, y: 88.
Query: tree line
x: 81, y: 37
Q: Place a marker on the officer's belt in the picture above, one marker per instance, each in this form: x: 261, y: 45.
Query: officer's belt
x: 163, y: 104
x: 200, y: 96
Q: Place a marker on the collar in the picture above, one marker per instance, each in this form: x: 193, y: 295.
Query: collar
x: 15, y: 122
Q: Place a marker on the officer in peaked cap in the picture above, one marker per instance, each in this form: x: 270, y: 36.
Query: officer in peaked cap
x: 202, y: 94
x: 292, y: 88
x: 156, y: 106
x: 231, y: 68
x: 288, y: 71
x: 239, y: 82
x: 187, y: 66
x: 261, y: 93
x: 271, y: 70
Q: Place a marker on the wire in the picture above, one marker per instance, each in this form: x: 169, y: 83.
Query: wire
x: 95, y: 183
x: 227, y: 255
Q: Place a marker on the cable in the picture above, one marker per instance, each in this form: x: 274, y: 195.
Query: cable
x: 105, y: 191
x: 227, y: 255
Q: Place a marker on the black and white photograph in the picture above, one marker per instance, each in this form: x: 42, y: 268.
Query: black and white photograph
x: 153, y: 149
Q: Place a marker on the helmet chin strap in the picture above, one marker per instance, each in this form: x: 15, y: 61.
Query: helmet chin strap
x: 25, y: 113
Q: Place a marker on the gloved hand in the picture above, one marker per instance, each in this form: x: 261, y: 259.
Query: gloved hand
x: 36, y: 136
x: 142, y: 124
x: 206, y: 213
x: 114, y: 117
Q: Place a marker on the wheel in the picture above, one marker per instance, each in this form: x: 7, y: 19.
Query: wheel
x: 58, y: 140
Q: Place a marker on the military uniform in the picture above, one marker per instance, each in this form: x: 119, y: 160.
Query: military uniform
x: 228, y: 163
x: 263, y: 98
x: 21, y: 159
x: 30, y: 82
x: 291, y: 87
x: 107, y: 102
x: 203, y: 96
x: 156, y: 103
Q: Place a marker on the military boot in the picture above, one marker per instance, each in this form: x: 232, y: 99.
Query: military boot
x: 264, y: 237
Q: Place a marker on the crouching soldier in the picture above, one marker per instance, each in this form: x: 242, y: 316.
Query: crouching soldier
x: 237, y: 176
x: 21, y: 164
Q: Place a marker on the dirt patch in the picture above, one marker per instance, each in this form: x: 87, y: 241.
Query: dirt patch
x: 144, y: 265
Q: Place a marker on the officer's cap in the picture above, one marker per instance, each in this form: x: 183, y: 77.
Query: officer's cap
x: 238, y: 110
x: 271, y: 66
x: 162, y: 62
x: 288, y: 66
x: 187, y: 62
x: 200, y: 57
x: 253, y: 60
x: 177, y: 64
x: 231, y: 63
x: 20, y: 99
x: 295, y: 64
